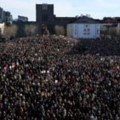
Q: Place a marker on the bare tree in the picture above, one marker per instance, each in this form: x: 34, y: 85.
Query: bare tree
x: 30, y: 30
x: 10, y: 30
x: 59, y: 30
x: 113, y: 31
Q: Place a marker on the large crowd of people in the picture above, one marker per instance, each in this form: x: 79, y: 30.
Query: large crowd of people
x: 41, y: 80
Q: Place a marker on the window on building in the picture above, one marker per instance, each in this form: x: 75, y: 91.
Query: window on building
x: 75, y: 32
x: 45, y: 18
x: 86, y: 25
x: 98, y: 31
x: 44, y: 6
x: 88, y: 29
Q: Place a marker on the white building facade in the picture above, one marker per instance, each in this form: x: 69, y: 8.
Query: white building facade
x: 2, y: 27
x: 84, y: 28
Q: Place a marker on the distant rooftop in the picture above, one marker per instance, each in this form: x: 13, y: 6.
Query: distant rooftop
x: 85, y: 19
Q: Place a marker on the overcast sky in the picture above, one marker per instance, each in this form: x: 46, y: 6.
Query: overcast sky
x: 96, y: 8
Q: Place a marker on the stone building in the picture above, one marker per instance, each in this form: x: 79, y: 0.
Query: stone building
x: 45, y: 17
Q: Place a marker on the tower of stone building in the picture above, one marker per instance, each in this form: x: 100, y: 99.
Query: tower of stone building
x: 45, y: 13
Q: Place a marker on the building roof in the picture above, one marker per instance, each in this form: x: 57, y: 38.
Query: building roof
x: 85, y: 19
